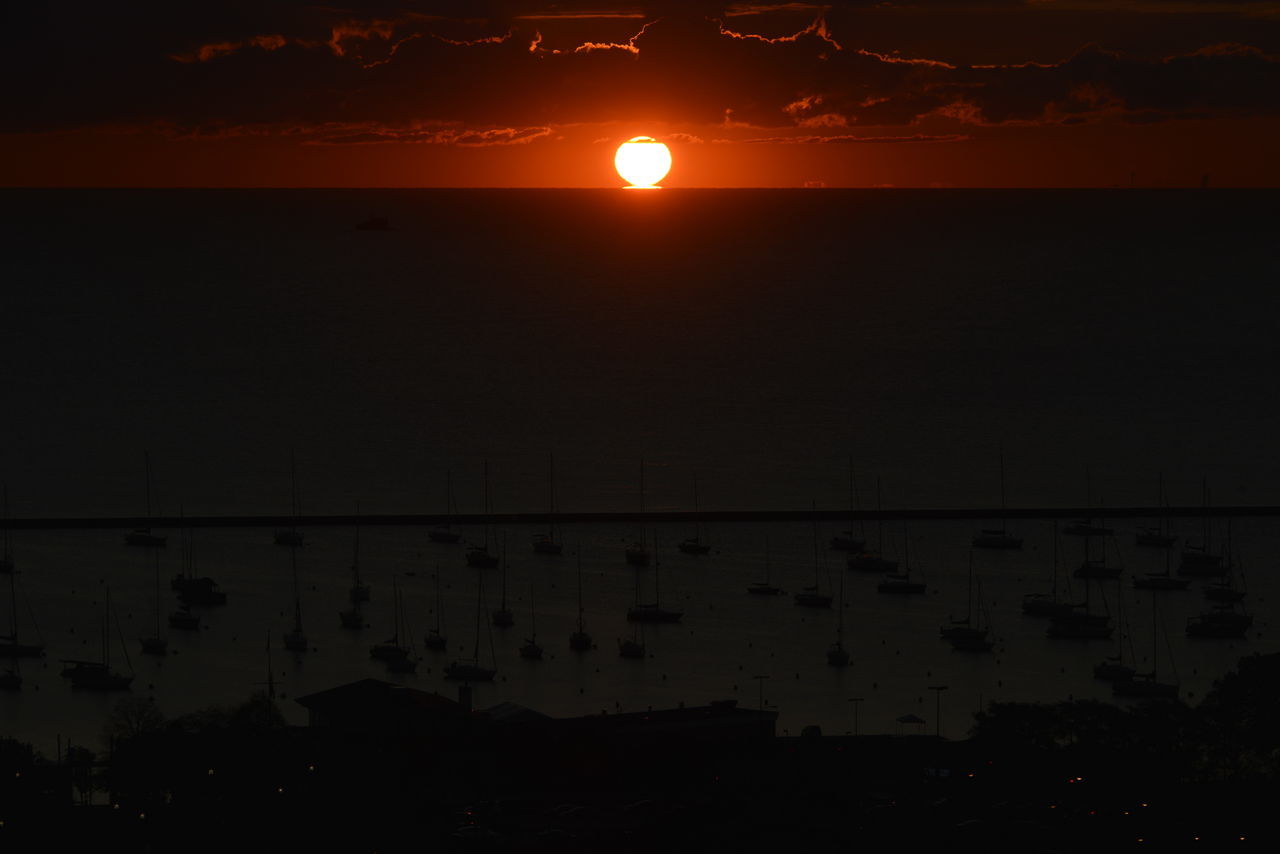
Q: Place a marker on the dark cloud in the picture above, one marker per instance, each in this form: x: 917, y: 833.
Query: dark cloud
x: 432, y: 71
x: 850, y: 139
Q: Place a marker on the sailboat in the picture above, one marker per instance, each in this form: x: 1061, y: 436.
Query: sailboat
x: 193, y: 589
x: 183, y: 618
x: 1096, y: 568
x: 998, y: 538
x: 652, y: 612
x: 156, y: 644
x: 1225, y: 589
x: 406, y: 661
x: 1085, y: 527
x: 392, y: 648
x: 1159, y: 536
x: 976, y: 639
x: 435, y: 638
x: 291, y: 537
x: 445, y: 533
x: 845, y: 541
x: 1148, y: 686
x: 478, y: 556
x: 636, y: 553
x: 764, y: 588
x: 10, y: 645
x: 694, y: 545
x: 837, y: 655
x: 1223, y: 621
x: 900, y: 583
x: 143, y: 536
x: 546, y: 544
x: 531, y: 649
x: 966, y: 628
x: 1047, y: 604
x: 353, y: 617
x: 874, y: 561
x: 1080, y: 622
x: 98, y: 675
x: 11, y: 679
x: 580, y: 641
x: 359, y: 591
x: 1198, y: 559
x: 295, y: 640
x: 1114, y: 666
x: 633, y: 648
x: 6, y: 547
x: 472, y: 671
x: 502, y: 616
x: 813, y: 597
x: 1161, y: 580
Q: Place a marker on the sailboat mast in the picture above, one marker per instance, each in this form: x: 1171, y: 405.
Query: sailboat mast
x: 156, y: 561
x: 551, y: 478
x: 968, y: 613
x: 437, y: 598
x: 146, y: 465
x: 293, y: 486
x: 657, y: 572
x: 479, y: 603
x: 448, y: 498
x: 297, y: 597
x: 879, y: 519
x: 6, y: 559
x: 106, y: 622
x: 1003, y: 513
x: 697, y: 522
x: 579, y: 588
x: 814, y: 525
x: 271, y: 679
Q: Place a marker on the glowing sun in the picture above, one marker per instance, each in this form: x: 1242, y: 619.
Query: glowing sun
x: 642, y: 161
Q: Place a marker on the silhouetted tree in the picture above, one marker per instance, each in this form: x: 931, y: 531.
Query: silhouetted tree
x: 131, y: 717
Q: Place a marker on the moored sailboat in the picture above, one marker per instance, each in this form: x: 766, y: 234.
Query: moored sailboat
x: 547, y: 544
x: 478, y: 556
x: 143, y: 536
x: 435, y: 639
x: 444, y: 533
x: 579, y: 640
x: 998, y: 538
x: 874, y: 561
x: 471, y: 670
x: 99, y: 675
x: 636, y: 553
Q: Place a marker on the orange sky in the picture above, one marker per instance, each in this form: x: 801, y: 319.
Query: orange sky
x: 425, y: 93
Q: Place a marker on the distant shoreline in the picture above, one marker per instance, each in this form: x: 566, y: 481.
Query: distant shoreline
x: 416, y: 519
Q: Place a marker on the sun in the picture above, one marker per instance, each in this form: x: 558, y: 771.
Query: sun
x: 642, y: 161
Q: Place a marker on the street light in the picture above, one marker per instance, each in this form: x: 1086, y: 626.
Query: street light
x: 855, y: 701
x: 937, y: 708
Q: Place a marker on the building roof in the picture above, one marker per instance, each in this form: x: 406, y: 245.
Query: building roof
x: 367, y: 695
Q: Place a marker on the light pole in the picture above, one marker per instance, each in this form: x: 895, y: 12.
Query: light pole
x: 937, y: 708
x: 855, y: 701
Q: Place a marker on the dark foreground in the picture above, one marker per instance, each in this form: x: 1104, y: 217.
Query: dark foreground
x: 388, y: 769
